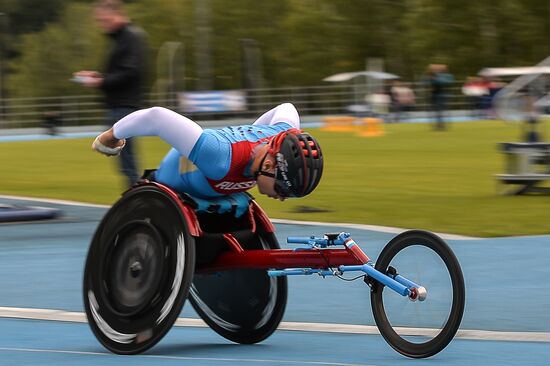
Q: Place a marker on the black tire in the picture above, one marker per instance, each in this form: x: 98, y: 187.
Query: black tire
x: 244, y: 306
x: 450, y: 308
x: 139, y: 268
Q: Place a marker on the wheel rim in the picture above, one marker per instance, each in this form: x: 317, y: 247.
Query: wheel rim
x: 420, y: 322
x: 427, y: 339
x: 246, y: 302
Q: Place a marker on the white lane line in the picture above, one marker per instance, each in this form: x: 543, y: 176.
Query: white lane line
x: 236, y: 360
x: 382, y: 229
x: 43, y: 314
x: 472, y: 334
x: 54, y: 201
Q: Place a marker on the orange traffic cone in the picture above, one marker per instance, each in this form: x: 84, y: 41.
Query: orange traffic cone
x: 339, y: 123
x: 371, y: 127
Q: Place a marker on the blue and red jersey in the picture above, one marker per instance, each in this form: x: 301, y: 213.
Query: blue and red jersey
x: 219, y: 163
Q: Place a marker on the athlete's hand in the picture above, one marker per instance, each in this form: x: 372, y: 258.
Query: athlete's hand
x: 107, y: 144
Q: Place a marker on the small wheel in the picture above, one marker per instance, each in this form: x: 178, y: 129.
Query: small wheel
x: 422, y: 328
x: 138, y: 271
x: 244, y: 306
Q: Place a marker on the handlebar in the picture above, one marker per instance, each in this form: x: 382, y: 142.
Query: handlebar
x: 326, y: 240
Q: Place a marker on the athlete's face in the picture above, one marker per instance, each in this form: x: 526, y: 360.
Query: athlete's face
x: 266, y: 184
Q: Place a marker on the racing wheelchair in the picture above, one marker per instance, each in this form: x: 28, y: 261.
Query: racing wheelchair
x: 155, y: 248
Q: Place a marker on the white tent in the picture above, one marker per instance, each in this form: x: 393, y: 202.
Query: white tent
x: 513, y: 71
x: 365, y: 83
x: 351, y: 75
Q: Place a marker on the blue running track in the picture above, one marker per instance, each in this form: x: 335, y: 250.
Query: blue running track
x: 506, y: 321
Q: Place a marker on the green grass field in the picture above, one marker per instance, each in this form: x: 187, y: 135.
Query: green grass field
x: 413, y: 177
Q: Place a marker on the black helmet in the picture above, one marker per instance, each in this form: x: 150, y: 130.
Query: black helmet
x: 299, y: 163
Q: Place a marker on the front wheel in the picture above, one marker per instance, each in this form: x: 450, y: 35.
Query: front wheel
x: 422, y: 328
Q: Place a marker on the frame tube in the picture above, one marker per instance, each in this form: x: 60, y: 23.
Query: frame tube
x: 281, y: 259
x: 405, y: 281
x: 378, y: 276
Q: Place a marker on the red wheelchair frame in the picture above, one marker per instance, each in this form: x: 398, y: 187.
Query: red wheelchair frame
x: 126, y: 324
x: 239, y: 258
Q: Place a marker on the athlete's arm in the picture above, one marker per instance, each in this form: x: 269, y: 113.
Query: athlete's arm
x: 285, y: 112
x: 178, y: 131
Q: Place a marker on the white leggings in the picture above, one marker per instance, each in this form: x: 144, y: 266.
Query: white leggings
x: 181, y: 132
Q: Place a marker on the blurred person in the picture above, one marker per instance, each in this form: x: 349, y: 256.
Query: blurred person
x: 439, y: 79
x: 122, y: 79
x: 403, y: 99
x: 531, y: 126
x: 51, y: 121
x: 546, y: 106
x: 493, y: 86
x: 474, y: 89
x: 379, y: 104
x: 531, y: 130
x: 272, y: 152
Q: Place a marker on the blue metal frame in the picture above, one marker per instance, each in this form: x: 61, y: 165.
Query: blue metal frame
x: 398, y: 283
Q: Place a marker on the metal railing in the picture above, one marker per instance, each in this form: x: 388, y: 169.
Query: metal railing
x: 82, y: 110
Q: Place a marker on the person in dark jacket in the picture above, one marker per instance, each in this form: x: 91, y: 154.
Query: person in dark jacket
x: 439, y: 80
x: 122, y: 79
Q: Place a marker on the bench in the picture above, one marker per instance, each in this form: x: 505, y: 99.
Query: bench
x: 527, y: 165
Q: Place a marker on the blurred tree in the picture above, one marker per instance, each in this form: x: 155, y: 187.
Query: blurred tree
x: 176, y: 27
x: 49, y: 57
x: 468, y: 38
x: 244, y: 19
x: 316, y: 35
x: 76, y: 43
x: 31, y: 15
x: 373, y: 29
x: 299, y: 41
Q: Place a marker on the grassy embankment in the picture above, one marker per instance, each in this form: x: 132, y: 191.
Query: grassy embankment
x: 413, y: 177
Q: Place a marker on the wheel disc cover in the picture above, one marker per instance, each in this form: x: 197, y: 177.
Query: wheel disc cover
x: 135, y: 268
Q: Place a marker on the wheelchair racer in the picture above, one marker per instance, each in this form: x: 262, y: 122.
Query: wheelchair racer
x: 272, y: 152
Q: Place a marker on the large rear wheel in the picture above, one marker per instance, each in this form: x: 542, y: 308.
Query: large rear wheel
x: 138, y: 271
x: 242, y: 305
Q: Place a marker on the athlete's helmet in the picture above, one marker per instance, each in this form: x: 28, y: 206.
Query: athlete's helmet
x: 299, y: 163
